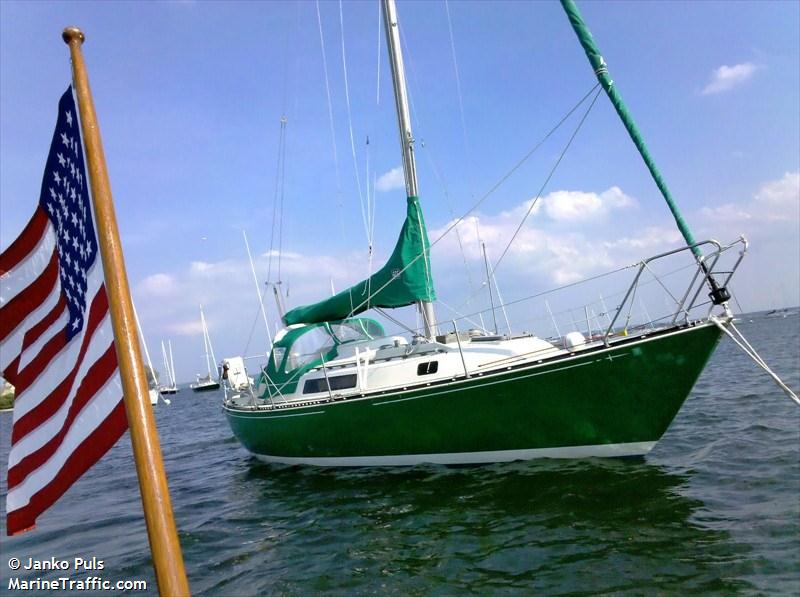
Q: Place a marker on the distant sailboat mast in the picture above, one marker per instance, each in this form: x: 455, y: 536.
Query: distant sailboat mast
x: 167, y: 365
x: 172, y: 364
x: 406, y: 136
x: 207, y: 343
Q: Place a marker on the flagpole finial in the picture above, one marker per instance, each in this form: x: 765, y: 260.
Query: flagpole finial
x: 73, y: 33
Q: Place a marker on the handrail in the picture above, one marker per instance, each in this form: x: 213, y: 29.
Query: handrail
x: 702, y: 268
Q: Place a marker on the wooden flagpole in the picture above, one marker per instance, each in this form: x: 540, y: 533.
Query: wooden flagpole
x: 162, y: 533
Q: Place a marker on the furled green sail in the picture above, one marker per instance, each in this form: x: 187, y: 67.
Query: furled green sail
x: 405, y: 279
x: 601, y: 71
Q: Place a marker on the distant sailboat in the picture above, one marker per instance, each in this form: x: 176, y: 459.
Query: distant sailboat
x: 152, y: 389
x: 206, y: 382
x: 169, y: 365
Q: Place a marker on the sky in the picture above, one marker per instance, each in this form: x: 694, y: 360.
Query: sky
x: 190, y: 97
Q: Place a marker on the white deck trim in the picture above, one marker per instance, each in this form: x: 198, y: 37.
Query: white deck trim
x: 601, y: 450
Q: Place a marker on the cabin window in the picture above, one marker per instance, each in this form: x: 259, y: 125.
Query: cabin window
x: 308, y: 348
x: 427, y: 368
x: 356, y: 330
x: 277, y: 355
x: 337, y: 382
x: 347, y: 332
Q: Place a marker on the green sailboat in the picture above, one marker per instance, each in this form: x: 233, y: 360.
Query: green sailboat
x: 338, y: 391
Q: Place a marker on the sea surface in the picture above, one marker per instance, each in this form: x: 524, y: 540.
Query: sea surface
x: 714, y: 508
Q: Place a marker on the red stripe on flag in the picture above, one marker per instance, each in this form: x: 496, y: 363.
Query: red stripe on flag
x: 25, y: 242
x: 34, y: 369
x: 32, y: 419
x: 18, y: 308
x: 95, y: 379
x: 84, y: 456
x: 32, y: 335
x: 11, y: 372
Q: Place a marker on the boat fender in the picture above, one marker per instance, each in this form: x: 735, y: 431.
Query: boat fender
x: 574, y: 340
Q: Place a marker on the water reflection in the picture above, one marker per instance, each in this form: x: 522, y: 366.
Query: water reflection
x: 553, y: 525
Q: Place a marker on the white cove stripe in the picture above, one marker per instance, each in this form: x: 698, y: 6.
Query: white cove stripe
x: 57, y: 327
x: 600, y: 450
x: 61, y: 364
x: 30, y: 268
x: 40, y: 435
x: 11, y: 346
x: 89, y: 419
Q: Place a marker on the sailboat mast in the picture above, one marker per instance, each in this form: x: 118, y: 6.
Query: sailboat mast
x: 166, y: 362
x: 205, y: 339
x: 400, y: 95
x: 406, y: 136
x: 144, y: 343
x: 172, y: 363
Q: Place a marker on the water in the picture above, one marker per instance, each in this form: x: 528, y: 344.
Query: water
x: 714, y: 508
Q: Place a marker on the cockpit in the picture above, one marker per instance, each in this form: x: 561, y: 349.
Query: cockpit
x: 301, y: 347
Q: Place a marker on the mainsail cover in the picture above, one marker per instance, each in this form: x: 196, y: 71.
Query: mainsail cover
x: 403, y: 280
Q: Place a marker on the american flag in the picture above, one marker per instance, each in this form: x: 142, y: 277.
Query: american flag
x: 56, y: 341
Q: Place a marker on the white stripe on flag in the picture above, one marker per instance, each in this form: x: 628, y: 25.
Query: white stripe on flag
x: 85, y: 423
x: 11, y: 346
x: 30, y: 268
x: 64, y: 361
x: 45, y: 430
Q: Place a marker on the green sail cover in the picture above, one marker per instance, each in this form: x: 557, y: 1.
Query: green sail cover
x: 405, y: 279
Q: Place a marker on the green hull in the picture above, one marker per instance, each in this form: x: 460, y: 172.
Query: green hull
x: 601, y: 402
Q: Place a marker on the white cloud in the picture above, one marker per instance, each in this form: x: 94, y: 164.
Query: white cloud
x: 726, y: 77
x: 781, y: 194
x: 549, y: 254
x: 728, y: 212
x: 648, y: 239
x: 158, y: 285
x: 582, y: 206
x: 391, y: 180
x: 186, y: 328
x: 770, y: 219
x: 200, y: 267
x: 774, y: 201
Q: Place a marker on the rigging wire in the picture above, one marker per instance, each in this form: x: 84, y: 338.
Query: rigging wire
x: 350, y: 124
x: 258, y: 287
x: 339, y: 203
x: 547, y: 180
x: 369, y: 223
x: 488, y: 193
x: 277, y: 201
x: 458, y: 88
x: 552, y: 315
x: 429, y: 155
x: 464, y: 135
x: 331, y: 120
x: 280, y: 168
x: 432, y: 159
x: 282, y: 194
x: 380, y: 53
x: 255, y: 321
